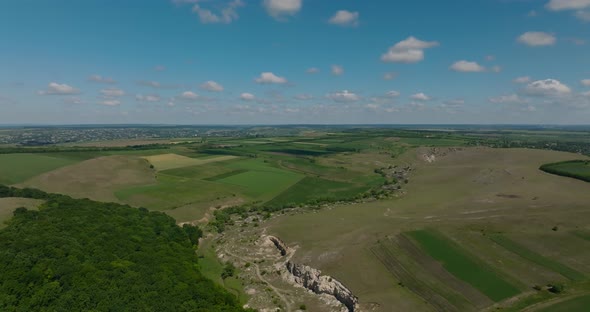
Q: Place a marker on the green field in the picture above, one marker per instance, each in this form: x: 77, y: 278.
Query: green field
x: 579, y: 304
x: 463, y: 265
x: 16, y: 168
x: 312, y: 189
x: 537, y: 258
x: 577, y: 169
x: 261, y: 180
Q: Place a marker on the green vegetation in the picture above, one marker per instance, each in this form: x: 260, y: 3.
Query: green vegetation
x: 463, y: 265
x: 261, y: 180
x: 314, y: 190
x: 16, y: 168
x: 537, y: 258
x: 579, y: 304
x: 81, y: 255
x: 577, y: 169
x: 9, y: 204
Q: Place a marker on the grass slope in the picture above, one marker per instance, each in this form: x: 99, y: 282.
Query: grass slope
x: 579, y: 304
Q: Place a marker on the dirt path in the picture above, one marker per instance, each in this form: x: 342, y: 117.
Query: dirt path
x: 276, y: 290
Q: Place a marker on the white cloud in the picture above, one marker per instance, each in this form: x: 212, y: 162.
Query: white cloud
x: 153, y: 84
x: 547, y: 87
x: 160, y: 68
x: 585, y: 82
x: 524, y: 79
x: 508, y: 99
x: 111, y: 102
x: 345, y: 18
x: 74, y: 100
x: 467, y: 67
x: 268, y: 78
x: 55, y: 88
x: 280, y: 8
x: 312, y: 70
x: 148, y: 98
x: 189, y: 95
x: 101, y: 79
x: 303, y: 97
x: 584, y: 16
x: 537, y: 39
x: 420, y: 97
x: 496, y: 69
x: 227, y: 15
x: 392, y: 94
x: 410, y: 50
x: 532, y: 13
x: 490, y: 58
x: 247, y: 96
x: 337, y: 70
x: 212, y: 86
x: 343, y: 96
x: 562, y: 5
x: 113, y: 92
x: 389, y: 76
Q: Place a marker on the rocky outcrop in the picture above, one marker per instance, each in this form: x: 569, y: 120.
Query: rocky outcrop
x: 313, y: 280
x: 279, y: 244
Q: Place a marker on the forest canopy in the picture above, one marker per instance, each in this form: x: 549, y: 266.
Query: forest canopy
x: 82, y: 255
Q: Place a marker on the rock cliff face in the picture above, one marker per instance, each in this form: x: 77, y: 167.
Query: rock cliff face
x: 279, y: 244
x: 313, y: 280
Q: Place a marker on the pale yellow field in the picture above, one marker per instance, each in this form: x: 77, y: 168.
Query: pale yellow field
x: 9, y: 204
x: 172, y: 161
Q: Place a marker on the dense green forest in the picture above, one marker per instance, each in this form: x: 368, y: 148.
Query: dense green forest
x: 82, y: 255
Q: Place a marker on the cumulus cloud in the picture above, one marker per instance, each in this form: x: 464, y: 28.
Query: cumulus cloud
x: 148, y: 98
x: 410, y: 50
x: 55, y: 88
x: 563, y: 5
x: 389, y: 76
x: 508, y: 99
x: 227, y: 14
x: 101, y: 79
x: 189, y: 96
x: 523, y: 79
x: 584, y: 16
x: 112, y: 92
x: 270, y: 78
x: 343, y: 96
x: 392, y: 94
x: 420, y: 97
x: 467, y: 67
x: 537, y: 39
x: 111, y: 102
x: 247, y: 96
x: 153, y: 84
x: 281, y: 8
x: 337, y: 70
x: 585, y: 82
x: 345, y: 18
x: 312, y: 70
x: 212, y: 86
x: 547, y: 87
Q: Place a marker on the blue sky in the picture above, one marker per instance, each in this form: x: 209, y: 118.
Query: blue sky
x: 294, y: 61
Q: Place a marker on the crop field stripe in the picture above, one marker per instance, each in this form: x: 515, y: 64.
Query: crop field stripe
x: 537, y: 258
x: 463, y: 265
x: 468, y: 292
x: 395, y: 267
x: 578, y: 304
x: 226, y: 175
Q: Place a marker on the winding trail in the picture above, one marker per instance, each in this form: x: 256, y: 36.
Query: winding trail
x: 276, y: 290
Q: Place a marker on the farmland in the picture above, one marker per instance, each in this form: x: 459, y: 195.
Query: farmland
x: 420, y: 220
x: 577, y: 169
